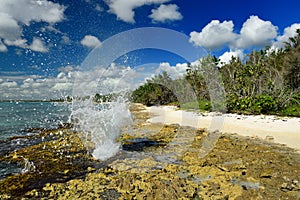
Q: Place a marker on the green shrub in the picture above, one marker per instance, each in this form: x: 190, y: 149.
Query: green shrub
x: 202, y: 105
x: 153, y: 94
x: 259, y: 104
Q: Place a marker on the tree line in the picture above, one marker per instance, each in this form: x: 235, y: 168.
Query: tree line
x: 266, y: 82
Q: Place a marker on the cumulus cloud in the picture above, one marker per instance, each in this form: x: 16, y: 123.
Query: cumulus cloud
x: 227, y: 56
x: 256, y: 32
x: 9, y: 27
x: 16, y: 13
x: 38, y: 45
x: 166, y: 13
x: 288, y: 33
x: 90, y: 41
x: 124, y: 9
x: 26, y: 11
x: 176, y: 71
x: 214, y: 35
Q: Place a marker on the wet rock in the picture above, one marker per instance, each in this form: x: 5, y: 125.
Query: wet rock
x: 90, y: 169
x: 57, y: 160
x: 110, y: 194
x: 290, y: 185
x: 223, y: 168
x: 287, y: 187
x: 236, y: 168
x: 267, y: 173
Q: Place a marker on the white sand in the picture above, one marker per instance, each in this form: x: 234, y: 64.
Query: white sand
x: 283, y: 130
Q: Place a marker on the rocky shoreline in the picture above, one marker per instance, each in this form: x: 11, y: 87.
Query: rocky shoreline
x: 157, y: 162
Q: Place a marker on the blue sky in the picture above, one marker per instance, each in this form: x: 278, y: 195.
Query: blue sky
x: 43, y: 42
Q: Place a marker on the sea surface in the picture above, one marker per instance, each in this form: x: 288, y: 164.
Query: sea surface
x: 21, y: 119
x: 16, y: 118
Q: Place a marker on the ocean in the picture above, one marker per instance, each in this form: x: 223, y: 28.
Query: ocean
x: 18, y: 117
x: 101, y: 122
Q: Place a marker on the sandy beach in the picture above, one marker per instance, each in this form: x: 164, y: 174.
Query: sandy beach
x: 283, y: 130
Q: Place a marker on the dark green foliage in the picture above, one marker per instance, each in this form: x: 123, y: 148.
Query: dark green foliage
x: 292, y: 110
x: 103, y: 98
x: 157, y: 91
x: 260, y: 104
x: 267, y: 83
x: 153, y: 94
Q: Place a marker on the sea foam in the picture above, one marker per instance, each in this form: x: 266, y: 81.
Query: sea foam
x: 101, y: 124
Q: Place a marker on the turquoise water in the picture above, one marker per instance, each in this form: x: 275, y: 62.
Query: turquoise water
x: 17, y: 117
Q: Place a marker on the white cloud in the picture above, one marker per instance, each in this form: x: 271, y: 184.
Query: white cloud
x: 28, y: 80
x: 214, y: 35
x: 68, y: 68
x: 17, y: 77
x: 288, y: 32
x: 61, y: 75
x: 9, y: 28
x: 3, y: 48
x: 227, y: 56
x: 16, y: 13
x: 18, y: 42
x: 38, y: 45
x: 9, y: 84
x: 101, y: 80
x: 90, y: 41
x: 62, y: 87
x: 256, y: 32
x: 174, y: 71
x: 166, y: 13
x: 124, y: 9
x: 78, y: 83
x: 26, y: 11
x: 36, y: 87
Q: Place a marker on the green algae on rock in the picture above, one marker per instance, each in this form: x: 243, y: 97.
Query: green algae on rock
x: 57, y: 160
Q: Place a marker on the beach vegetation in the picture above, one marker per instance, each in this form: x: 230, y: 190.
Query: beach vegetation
x: 266, y: 82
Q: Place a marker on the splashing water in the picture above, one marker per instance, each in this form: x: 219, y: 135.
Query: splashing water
x: 29, y: 166
x: 101, y: 125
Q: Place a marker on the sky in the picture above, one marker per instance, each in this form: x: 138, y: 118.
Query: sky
x: 43, y: 43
